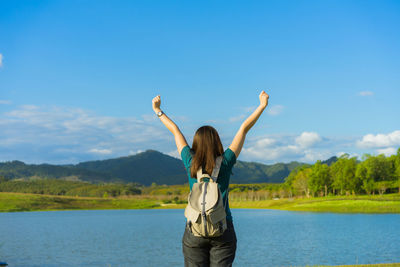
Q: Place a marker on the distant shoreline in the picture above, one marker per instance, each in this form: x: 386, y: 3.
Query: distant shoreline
x: 379, y: 204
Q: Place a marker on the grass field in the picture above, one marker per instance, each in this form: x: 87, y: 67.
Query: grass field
x: 351, y: 204
x: 31, y: 202
x: 389, y: 203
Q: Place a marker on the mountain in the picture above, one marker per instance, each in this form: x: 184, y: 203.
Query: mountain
x: 145, y: 168
x: 330, y: 161
x: 252, y: 172
x: 18, y: 169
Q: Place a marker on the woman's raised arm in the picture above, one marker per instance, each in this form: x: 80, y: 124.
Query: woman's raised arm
x: 179, y: 138
x: 240, y: 136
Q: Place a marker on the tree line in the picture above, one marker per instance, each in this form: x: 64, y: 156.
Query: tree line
x: 373, y: 174
x: 345, y: 176
x: 69, y: 188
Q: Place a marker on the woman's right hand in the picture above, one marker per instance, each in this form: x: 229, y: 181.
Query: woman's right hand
x: 156, y: 103
x: 263, y: 99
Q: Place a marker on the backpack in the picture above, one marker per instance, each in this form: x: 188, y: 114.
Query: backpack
x: 205, y: 211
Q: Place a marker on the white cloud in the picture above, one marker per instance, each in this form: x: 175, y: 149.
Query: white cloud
x: 386, y: 144
x: 313, y: 155
x: 351, y: 155
x: 68, y: 135
x: 286, y: 148
x: 308, y: 139
x: 387, y: 151
x: 380, y: 140
x: 306, y: 147
x: 237, y: 118
x: 174, y: 153
x: 1, y: 60
x: 340, y: 153
x: 265, y: 142
x: 274, y: 154
x: 133, y: 152
x: 100, y: 151
x: 53, y: 134
x: 366, y: 93
x: 275, y: 110
x: 5, y: 102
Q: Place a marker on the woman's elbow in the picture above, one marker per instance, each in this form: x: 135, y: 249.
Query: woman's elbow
x: 244, y: 129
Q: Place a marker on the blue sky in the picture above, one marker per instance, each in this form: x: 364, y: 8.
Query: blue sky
x: 77, y: 77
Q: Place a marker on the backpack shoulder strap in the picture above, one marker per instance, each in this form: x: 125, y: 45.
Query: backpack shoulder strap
x: 216, y: 169
x: 215, y: 172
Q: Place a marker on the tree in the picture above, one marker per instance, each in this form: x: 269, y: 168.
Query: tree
x: 291, y: 177
x: 3, y: 179
x: 397, y: 168
x: 300, y: 183
x: 319, y: 180
x: 378, y: 168
x: 343, y: 174
x: 287, y: 189
x: 353, y: 184
x: 362, y: 175
x: 382, y: 186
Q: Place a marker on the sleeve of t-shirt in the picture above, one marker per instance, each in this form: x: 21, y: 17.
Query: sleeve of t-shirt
x: 230, y: 157
x: 186, y: 157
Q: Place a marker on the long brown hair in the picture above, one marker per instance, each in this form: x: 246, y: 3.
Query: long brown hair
x: 207, y: 147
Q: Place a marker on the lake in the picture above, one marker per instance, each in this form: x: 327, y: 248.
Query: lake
x: 153, y: 238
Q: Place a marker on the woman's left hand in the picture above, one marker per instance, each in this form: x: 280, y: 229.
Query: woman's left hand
x: 157, y: 103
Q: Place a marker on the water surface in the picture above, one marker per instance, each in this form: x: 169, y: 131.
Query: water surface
x: 153, y: 238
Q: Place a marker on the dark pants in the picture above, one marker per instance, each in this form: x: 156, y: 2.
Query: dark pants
x: 214, y: 251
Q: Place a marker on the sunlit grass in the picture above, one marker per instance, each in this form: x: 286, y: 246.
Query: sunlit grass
x: 31, y: 202
x: 345, y: 204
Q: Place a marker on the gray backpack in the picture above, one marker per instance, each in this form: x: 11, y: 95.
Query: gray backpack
x: 205, y: 212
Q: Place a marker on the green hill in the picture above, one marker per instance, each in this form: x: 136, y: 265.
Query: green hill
x: 17, y: 169
x: 252, y: 172
x: 330, y: 161
x: 145, y: 168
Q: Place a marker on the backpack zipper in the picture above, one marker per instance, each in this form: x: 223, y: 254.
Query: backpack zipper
x: 203, y: 212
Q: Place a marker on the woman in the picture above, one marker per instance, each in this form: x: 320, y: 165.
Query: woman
x: 206, y: 147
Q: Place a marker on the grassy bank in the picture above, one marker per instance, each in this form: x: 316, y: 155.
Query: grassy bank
x: 31, y: 202
x: 345, y: 204
x: 351, y: 204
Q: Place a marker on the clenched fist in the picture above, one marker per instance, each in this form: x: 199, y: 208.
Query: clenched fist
x: 156, y: 103
x: 264, y: 99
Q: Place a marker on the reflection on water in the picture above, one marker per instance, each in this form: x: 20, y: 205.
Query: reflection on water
x: 153, y: 238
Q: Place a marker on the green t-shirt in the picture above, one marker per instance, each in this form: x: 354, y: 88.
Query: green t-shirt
x: 229, y: 159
